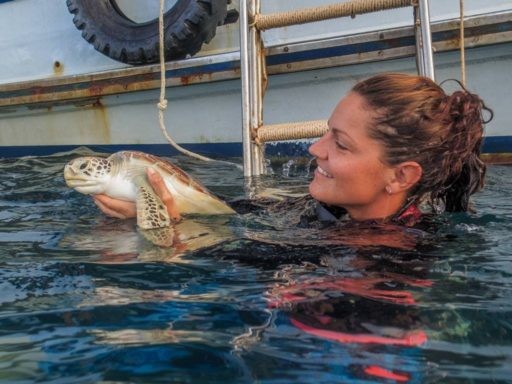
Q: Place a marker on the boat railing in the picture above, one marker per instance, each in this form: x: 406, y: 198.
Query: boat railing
x: 254, y: 75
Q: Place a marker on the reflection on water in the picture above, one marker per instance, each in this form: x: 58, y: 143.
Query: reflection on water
x: 247, y: 299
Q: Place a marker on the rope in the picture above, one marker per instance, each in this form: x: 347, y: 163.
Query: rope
x: 162, y: 104
x: 462, y: 47
x: 307, y: 15
x: 291, y: 131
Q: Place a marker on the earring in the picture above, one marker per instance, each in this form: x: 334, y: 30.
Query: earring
x: 388, y: 189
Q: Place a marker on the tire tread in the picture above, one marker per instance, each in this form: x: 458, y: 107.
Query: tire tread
x: 108, y: 31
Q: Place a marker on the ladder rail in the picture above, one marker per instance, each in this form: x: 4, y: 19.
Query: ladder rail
x: 426, y: 49
x: 252, y: 94
x: 244, y: 74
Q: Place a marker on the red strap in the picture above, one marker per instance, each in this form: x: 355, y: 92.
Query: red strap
x: 360, y: 287
x: 375, y: 370
x: 410, y: 339
x: 412, y: 212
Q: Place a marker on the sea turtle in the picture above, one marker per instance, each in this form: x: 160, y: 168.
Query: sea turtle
x: 122, y: 175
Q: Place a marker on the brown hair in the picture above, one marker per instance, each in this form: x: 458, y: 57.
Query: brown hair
x: 417, y: 121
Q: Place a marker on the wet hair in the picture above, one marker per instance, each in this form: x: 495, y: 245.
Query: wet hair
x: 416, y: 120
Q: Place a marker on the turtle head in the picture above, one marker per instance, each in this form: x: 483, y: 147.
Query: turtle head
x: 88, y: 175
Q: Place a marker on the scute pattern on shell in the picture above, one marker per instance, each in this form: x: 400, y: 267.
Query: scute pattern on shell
x: 168, y: 168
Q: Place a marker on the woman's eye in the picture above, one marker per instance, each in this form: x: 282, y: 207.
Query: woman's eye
x: 341, y: 146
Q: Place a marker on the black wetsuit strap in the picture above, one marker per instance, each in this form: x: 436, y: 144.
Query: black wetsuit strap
x: 324, y: 214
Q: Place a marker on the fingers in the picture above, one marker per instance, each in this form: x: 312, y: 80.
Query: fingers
x: 107, y: 211
x: 115, y: 208
x: 158, y: 184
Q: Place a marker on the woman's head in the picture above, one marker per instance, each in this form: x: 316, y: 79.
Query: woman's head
x: 409, y: 140
x: 416, y: 120
x: 350, y: 172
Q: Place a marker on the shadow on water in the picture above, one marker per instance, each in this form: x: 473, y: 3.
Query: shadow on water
x: 86, y: 298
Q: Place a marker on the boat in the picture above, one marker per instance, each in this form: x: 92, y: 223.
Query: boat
x: 60, y: 90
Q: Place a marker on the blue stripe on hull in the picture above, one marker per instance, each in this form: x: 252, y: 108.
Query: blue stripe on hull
x: 495, y: 144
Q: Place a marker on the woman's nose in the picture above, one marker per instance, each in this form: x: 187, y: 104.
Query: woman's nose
x: 317, y: 149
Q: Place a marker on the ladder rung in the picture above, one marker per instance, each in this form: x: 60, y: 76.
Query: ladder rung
x: 291, y: 131
x: 332, y: 11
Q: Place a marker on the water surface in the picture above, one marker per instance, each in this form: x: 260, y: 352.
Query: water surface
x: 85, y: 298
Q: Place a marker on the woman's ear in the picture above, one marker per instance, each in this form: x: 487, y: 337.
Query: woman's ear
x: 406, y: 176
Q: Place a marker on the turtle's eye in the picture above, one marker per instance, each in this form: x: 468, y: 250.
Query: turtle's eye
x: 83, y: 166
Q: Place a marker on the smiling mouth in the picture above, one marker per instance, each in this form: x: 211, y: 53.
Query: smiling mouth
x: 323, y: 172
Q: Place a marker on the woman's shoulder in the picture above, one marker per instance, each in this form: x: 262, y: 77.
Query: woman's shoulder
x: 306, y: 212
x: 302, y: 211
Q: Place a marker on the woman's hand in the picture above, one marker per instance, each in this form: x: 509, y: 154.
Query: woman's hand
x: 114, y: 207
x: 158, y: 184
x: 122, y: 209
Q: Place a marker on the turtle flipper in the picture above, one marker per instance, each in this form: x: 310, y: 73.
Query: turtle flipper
x: 163, y: 237
x: 151, y: 212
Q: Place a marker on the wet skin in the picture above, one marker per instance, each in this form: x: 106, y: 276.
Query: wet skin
x: 351, y: 172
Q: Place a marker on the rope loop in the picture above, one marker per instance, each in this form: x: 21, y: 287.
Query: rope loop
x: 162, y: 104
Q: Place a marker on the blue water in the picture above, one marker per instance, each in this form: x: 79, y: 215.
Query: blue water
x: 87, y: 299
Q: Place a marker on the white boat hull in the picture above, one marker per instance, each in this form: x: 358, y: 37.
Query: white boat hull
x: 103, y: 104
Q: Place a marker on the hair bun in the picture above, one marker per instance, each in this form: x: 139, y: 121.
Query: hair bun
x: 464, y: 115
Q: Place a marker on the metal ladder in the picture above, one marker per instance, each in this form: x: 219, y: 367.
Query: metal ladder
x: 253, y: 67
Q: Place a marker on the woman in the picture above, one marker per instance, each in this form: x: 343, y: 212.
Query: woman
x: 394, y: 141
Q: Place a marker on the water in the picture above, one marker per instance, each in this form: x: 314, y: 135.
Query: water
x: 85, y: 298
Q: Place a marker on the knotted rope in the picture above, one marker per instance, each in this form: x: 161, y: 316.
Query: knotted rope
x: 162, y: 104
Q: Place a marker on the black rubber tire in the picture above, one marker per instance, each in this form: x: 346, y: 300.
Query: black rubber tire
x: 188, y: 24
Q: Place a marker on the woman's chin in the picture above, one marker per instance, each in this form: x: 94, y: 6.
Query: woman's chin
x: 322, y: 193
x: 315, y: 190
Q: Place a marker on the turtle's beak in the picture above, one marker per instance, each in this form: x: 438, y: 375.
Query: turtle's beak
x: 70, y: 174
x: 76, y: 179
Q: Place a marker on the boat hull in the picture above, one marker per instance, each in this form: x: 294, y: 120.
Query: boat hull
x: 115, y: 109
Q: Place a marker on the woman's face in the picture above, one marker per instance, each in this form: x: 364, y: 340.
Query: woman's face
x: 350, y: 173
